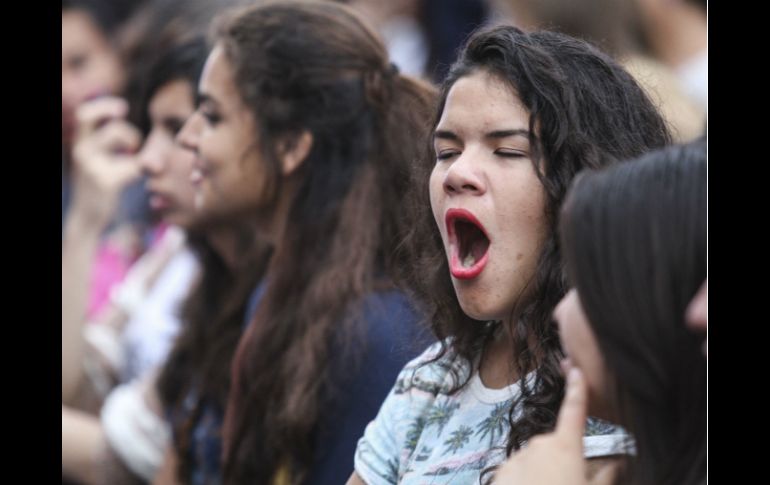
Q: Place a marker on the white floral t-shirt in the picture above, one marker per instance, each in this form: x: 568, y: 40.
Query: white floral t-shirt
x: 422, y: 435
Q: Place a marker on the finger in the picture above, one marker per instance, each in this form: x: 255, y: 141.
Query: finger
x: 119, y: 137
x: 90, y: 115
x: 572, y: 415
x: 126, y: 173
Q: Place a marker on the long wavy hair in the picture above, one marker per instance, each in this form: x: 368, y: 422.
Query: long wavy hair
x: 584, y: 111
x: 212, y: 318
x: 634, y: 244
x: 316, y: 67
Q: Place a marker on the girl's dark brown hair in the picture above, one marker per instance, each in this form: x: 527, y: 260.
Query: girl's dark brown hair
x: 585, y: 111
x: 316, y: 67
x: 198, y: 366
x: 634, y: 240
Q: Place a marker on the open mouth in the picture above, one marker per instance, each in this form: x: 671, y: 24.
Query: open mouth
x: 159, y: 202
x: 468, y: 244
x: 199, y: 172
x: 196, y: 176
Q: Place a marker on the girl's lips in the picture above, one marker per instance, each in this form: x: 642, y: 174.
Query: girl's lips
x: 159, y: 202
x: 456, y: 266
x: 461, y: 272
x: 198, y: 169
x: 196, y: 176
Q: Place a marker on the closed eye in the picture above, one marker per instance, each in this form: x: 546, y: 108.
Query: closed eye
x: 173, y: 125
x: 509, y: 153
x: 446, y: 154
x: 78, y: 61
x: 211, y: 118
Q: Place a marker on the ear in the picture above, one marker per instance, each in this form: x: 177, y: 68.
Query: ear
x: 295, y: 152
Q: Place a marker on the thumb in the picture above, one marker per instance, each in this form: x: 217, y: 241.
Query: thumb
x: 572, y: 415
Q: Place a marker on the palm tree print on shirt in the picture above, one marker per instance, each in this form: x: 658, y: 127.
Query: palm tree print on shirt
x: 496, y: 424
x: 458, y: 439
x: 440, y: 414
x: 414, y: 433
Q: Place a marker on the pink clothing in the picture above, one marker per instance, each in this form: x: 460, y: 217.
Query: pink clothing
x: 112, y: 262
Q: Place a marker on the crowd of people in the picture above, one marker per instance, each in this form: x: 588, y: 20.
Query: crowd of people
x: 326, y: 242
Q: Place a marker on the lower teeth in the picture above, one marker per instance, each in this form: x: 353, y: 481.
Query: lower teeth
x: 468, y: 261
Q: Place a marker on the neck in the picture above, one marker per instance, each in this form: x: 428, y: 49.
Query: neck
x: 497, y: 369
x: 228, y: 243
x: 279, y: 213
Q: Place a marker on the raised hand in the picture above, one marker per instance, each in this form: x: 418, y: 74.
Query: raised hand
x: 557, y: 458
x: 103, y: 157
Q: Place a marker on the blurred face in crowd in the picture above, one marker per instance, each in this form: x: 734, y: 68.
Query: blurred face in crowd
x: 167, y: 165
x: 582, y: 349
x: 90, y: 65
x: 228, y: 172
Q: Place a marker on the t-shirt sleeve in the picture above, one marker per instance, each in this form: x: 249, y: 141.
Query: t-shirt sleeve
x: 384, y: 448
x: 604, y: 439
x: 377, y: 454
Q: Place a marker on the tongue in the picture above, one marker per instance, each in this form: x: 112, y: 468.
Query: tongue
x: 479, y: 248
x: 475, y: 252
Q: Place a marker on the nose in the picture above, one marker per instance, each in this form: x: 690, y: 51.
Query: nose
x: 464, y: 177
x: 189, y: 135
x: 153, y: 155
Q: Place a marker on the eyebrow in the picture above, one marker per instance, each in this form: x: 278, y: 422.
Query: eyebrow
x: 445, y: 135
x: 204, y: 98
x: 450, y: 135
x: 507, y: 133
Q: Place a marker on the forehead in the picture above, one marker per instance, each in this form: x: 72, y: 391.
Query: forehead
x: 79, y: 31
x: 175, y: 97
x: 217, y: 77
x: 482, y: 102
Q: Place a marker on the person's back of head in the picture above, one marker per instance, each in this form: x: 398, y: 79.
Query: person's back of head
x: 634, y: 241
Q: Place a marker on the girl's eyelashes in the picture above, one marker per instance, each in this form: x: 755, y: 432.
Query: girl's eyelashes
x: 446, y: 154
x: 208, y: 109
x: 501, y: 152
x: 509, y: 153
x: 212, y: 117
x: 173, y: 125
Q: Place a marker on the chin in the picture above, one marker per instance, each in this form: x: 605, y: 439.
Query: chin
x: 475, y: 309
